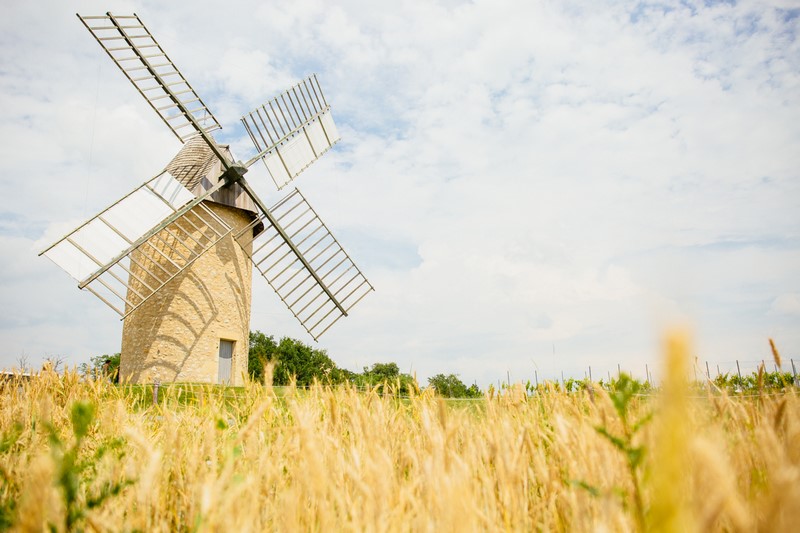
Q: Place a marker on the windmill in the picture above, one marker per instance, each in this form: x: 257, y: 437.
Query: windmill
x: 173, y: 258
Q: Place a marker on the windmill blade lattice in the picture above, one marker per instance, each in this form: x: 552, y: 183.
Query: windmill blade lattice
x: 136, y: 52
x: 292, y: 130
x: 112, y: 254
x: 321, y: 287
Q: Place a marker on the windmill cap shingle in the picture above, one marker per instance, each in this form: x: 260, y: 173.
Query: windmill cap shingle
x: 197, y: 168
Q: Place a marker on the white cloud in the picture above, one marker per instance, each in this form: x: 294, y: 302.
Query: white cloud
x: 786, y: 304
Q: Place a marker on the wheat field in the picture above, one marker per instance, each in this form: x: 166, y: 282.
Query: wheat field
x: 87, y: 455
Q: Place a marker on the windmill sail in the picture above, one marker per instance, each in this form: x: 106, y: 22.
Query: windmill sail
x: 136, y: 52
x: 292, y: 130
x: 129, y: 251
x: 319, y: 283
x: 114, y: 251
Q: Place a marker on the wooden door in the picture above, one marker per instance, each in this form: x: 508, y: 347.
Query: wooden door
x: 225, y: 361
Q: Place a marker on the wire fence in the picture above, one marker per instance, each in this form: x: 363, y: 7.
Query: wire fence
x: 702, y: 390
x: 645, y: 372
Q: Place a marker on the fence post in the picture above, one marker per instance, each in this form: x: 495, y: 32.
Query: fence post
x: 717, y: 370
x: 590, y: 373
x: 739, y: 371
x: 647, y: 373
x: 619, y: 371
x: 156, y: 383
x: 536, y: 375
x: 708, y: 372
x: 794, y: 372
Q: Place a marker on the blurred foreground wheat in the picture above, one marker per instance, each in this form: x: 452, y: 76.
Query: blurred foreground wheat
x: 83, y: 455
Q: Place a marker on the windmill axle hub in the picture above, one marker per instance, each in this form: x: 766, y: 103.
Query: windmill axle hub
x: 235, y: 173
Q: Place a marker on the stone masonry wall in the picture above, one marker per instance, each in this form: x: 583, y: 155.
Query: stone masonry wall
x: 174, y: 336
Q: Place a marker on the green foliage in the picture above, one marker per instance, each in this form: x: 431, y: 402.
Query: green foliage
x: 8, y: 503
x: 625, y: 382
x: 75, y: 472
x: 622, y: 394
x: 102, y: 366
x: 777, y: 380
x: 575, y: 385
x: 293, y: 358
x: 749, y: 384
x: 262, y: 349
x: 386, y: 377
x: 451, y: 386
x: 305, y: 363
x: 81, y: 416
x: 571, y: 385
x: 383, y: 371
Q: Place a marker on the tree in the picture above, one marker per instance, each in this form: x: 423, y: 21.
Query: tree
x: 292, y: 358
x: 451, y: 386
x: 385, y: 374
x: 54, y: 362
x: 383, y: 371
x: 105, y: 366
x: 22, y: 363
x: 262, y: 349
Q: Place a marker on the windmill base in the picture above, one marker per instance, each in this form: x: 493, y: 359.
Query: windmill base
x: 196, y: 329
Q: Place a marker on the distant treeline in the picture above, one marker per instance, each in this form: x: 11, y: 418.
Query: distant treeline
x: 293, y: 358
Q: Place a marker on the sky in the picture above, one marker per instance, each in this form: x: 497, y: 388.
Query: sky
x: 533, y: 187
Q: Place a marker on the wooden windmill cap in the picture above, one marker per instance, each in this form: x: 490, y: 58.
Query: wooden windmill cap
x: 198, y: 169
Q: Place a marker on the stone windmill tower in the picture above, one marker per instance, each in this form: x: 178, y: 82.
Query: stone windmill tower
x: 174, y: 257
x: 207, y: 307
